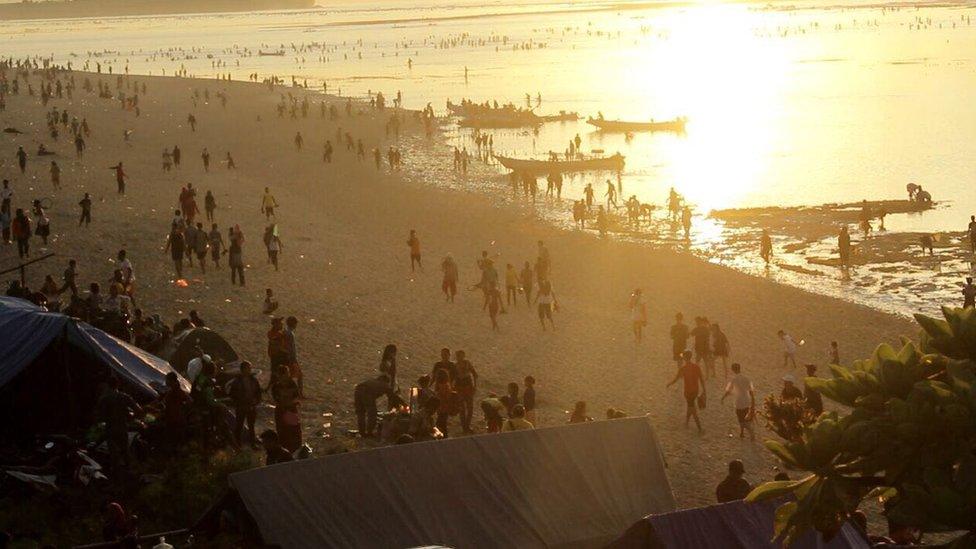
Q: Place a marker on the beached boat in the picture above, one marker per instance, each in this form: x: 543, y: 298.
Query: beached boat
x: 563, y: 116
x: 280, y: 53
x: 614, y: 163
x: 676, y: 125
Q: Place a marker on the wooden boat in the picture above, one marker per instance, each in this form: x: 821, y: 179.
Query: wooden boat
x: 676, y: 125
x: 280, y: 53
x: 501, y: 120
x: 614, y: 163
x: 563, y: 116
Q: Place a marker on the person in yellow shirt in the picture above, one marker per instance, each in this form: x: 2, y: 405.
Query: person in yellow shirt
x: 517, y: 421
x: 268, y: 203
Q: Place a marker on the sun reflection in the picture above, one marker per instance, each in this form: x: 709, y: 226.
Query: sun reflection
x: 728, y: 82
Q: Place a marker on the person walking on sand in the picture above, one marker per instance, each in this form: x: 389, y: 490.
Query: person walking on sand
x: 494, y: 306
x: 175, y: 244
x: 679, y: 338
x: 268, y: 204
x: 299, y: 141
x: 745, y: 400
x: 703, y: 349
x: 120, y: 177
x: 216, y: 245
x: 55, y: 175
x: 720, y: 348
x: 449, y: 284
x: 209, y: 205
x: 205, y: 156
x: 546, y: 300
x: 789, y: 348
x: 86, y: 207
x: 201, y: 243
x: 21, y: 230
x: 511, y: 285
x: 230, y: 162
x: 414, y: 244
x: 638, y: 314
x: 765, y: 246
x: 969, y: 294
x: 21, y: 159
x: 235, y: 260
x: 527, y: 279
x: 694, y: 385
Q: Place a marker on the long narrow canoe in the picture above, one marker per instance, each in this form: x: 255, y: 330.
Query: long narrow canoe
x: 614, y: 163
x: 676, y: 125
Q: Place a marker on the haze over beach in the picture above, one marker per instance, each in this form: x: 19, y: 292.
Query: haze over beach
x: 783, y: 176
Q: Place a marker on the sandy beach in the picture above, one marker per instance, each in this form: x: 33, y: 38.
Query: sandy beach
x: 345, y: 269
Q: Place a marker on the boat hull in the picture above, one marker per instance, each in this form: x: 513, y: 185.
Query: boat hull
x: 612, y: 163
x: 676, y: 125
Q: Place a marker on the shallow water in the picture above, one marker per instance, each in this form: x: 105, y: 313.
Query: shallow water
x: 785, y: 107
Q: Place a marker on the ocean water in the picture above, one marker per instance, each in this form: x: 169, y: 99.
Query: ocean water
x: 786, y: 107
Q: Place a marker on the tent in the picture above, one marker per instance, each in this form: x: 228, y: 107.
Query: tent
x: 573, y: 486
x: 210, y: 341
x: 57, y: 361
x: 733, y: 525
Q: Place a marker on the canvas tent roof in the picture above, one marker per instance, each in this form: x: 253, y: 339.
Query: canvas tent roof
x: 26, y: 330
x: 571, y: 486
x: 733, y: 525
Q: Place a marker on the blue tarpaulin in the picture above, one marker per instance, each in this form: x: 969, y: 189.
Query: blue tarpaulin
x: 733, y: 525
x: 26, y: 330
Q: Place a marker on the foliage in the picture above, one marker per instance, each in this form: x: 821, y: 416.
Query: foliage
x: 787, y: 418
x: 908, y: 435
x: 174, y: 499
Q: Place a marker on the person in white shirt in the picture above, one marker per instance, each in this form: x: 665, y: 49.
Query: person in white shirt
x: 745, y: 400
x: 195, y: 366
x: 789, y: 348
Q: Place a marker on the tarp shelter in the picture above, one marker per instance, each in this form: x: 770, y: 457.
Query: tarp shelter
x: 212, y: 344
x: 51, y: 364
x: 573, y: 486
x: 733, y: 525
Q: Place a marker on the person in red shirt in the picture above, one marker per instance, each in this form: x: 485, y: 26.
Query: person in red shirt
x: 691, y: 374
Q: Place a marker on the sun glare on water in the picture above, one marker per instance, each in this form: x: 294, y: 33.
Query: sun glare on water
x: 728, y: 82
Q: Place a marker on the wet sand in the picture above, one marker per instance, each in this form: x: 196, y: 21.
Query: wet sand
x: 345, y: 270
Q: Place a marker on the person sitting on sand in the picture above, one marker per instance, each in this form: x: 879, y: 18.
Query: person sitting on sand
x: 492, y: 408
x: 517, y: 421
x: 273, y: 451
x: 733, y: 487
x: 579, y: 413
x: 790, y: 391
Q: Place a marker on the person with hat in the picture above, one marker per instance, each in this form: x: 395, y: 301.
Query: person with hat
x: 790, y: 390
x: 733, y: 487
